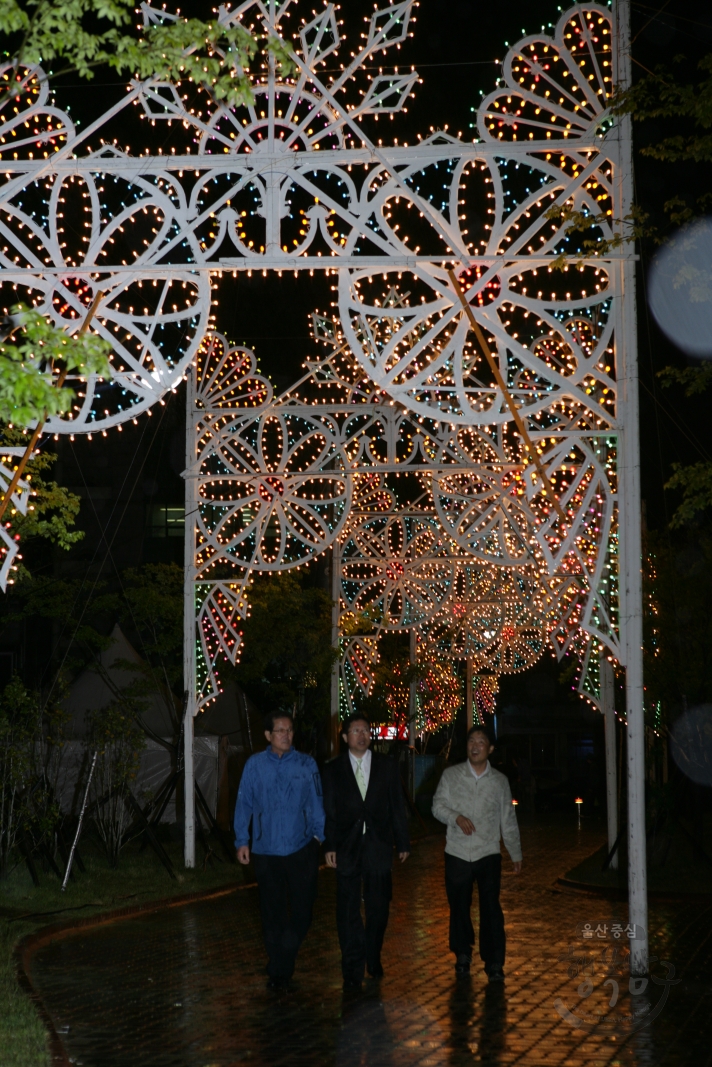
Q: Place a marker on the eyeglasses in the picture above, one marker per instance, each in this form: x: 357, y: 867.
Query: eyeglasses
x: 360, y: 730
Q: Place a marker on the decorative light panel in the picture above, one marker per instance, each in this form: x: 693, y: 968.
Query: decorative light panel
x: 292, y: 181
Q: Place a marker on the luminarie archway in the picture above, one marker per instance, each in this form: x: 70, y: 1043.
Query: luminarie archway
x: 527, y: 459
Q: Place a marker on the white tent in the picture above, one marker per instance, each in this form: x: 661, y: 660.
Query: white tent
x: 96, y: 688
x: 99, y: 685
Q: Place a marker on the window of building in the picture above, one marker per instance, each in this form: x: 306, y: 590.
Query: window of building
x: 166, y: 521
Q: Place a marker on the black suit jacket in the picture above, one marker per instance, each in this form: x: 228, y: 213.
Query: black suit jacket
x: 382, y: 811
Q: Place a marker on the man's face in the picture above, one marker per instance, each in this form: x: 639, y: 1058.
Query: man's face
x: 478, y: 748
x: 280, y: 736
x: 358, y: 737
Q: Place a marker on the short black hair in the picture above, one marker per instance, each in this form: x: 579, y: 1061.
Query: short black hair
x: 269, y: 718
x: 479, y: 729
x: 351, y: 719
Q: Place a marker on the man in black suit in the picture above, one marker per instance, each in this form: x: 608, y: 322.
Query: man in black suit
x: 365, y: 819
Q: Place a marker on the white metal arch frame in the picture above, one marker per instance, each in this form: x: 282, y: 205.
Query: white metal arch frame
x: 295, y: 183
x: 557, y: 340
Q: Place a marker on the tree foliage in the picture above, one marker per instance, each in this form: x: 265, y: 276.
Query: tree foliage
x: 287, y: 653
x: 148, y: 603
x: 389, y: 698
x: 660, y: 95
x: 151, y: 607
x: 118, y: 740
x: 680, y: 95
x: 694, y: 480
x: 81, y: 35
x: 52, y: 511
x: 18, y: 715
x: 28, y: 389
x: 677, y: 623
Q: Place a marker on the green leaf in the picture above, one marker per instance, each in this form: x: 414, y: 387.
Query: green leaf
x: 28, y: 391
x: 695, y: 481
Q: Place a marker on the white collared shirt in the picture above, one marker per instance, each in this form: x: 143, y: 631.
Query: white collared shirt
x: 365, y: 764
x: 474, y: 772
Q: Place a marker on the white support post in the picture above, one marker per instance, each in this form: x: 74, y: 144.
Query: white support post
x: 335, y: 594
x: 469, y: 710
x: 631, y: 585
x: 609, y: 720
x: 191, y: 505
x: 412, y: 712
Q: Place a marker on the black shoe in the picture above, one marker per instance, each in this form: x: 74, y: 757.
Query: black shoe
x: 277, y: 982
x: 352, y: 985
x: 375, y: 972
x: 496, y: 974
x: 462, y: 965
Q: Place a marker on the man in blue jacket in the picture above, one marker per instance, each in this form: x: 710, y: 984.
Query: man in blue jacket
x: 280, y: 794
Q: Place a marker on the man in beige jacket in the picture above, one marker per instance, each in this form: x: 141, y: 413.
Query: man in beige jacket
x: 475, y: 802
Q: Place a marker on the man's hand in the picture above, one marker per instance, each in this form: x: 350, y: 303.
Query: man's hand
x: 465, y: 825
x: 243, y: 854
x: 403, y: 856
x: 330, y: 858
x: 517, y: 867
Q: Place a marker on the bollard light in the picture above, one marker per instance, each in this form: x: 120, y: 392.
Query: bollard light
x: 579, y: 802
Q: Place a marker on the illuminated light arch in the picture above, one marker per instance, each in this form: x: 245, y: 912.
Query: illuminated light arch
x: 396, y: 565
x: 493, y: 618
x: 307, y: 189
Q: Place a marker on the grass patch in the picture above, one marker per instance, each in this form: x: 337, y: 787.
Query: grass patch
x: 25, y: 908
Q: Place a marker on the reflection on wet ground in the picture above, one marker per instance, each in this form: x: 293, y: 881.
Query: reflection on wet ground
x: 185, y: 987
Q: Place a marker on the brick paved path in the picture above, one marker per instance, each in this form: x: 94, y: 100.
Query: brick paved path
x: 186, y: 988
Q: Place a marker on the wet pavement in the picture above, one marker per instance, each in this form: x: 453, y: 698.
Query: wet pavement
x: 185, y: 987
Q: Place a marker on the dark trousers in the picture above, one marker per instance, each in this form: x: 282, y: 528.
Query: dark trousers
x: 361, y: 946
x: 460, y: 876
x: 287, y: 887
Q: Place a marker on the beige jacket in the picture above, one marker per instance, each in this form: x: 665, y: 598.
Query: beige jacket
x: 487, y: 803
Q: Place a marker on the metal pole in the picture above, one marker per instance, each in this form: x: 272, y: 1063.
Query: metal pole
x: 412, y: 712
x: 609, y: 720
x: 631, y: 614
x: 335, y: 594
x: 191, y: 507
x: 468, y: 694
x: 73, y: 849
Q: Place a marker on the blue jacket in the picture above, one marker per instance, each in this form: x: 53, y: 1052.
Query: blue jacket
x: 283, y: 798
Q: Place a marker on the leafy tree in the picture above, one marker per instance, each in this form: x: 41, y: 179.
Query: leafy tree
x: 681, y: 96
x: 393, y: 674
x: 694, y: 479
x: 82, y: 35
x: 660, y: 95
x: 118, y: 740
x: 31, y: 743
x: 152, y: 613
x: 28, y: 390
x: 52, y: 512
x: 18, y: 720
x: 287, y: 652
x: 677, y: 623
